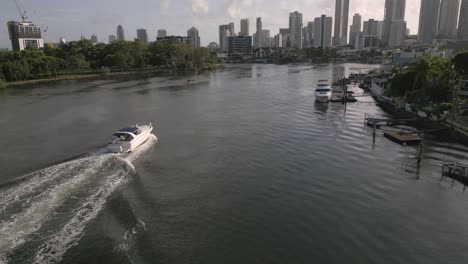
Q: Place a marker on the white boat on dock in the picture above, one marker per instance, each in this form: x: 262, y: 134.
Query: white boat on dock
x: 129, y: 138
x: 323, y: 93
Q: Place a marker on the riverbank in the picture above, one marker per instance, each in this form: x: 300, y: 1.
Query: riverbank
x: 84, y: 76
x: 445, y: 129
x: 93, y: 76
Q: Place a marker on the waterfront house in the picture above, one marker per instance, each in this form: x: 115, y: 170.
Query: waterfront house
x: 411, y: 55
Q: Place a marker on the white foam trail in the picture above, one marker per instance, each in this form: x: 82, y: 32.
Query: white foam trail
x: 36, y: 181
x: 53, y: 250
x: 13, y: 232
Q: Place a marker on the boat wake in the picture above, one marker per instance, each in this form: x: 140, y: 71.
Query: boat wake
x: 49, y: 209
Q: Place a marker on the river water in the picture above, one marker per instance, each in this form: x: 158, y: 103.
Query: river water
x: 247, y: 168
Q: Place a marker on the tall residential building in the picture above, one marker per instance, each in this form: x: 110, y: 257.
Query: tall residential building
x: 244, y: 26
x: 223, y: 38
x: 120, y: 33
x: 94, y: 39
x: 262, y: 39
x: 357, y: 23
x: 142, y: 35
x: 295, y: 29
x: 258, y: 42
x: 278, y: 40
x: 355, y: 29
x: 394, y: 11
x: 340, y: 36
x: 448, y: 19
x: 397, y: 33
x: 463, y: 22
x: 380, y: 29
x: 371, y: 27
x: 428, y: 20
x: 308, y: 35
x: 225, y: 31
x: 267, y: 41
x: 161, y: 33
x: 286, y: 43
x: 194, y: 35
x: 233, y: 32
x: 323, y: 31
x: 24, y: 34
x: 112, y: 38
x: 371, y: 34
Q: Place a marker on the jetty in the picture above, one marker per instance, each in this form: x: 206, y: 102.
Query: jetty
x: 379, y: 121
x: 405, y: 138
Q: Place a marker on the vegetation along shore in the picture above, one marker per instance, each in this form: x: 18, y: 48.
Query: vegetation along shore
x: 82, y: 59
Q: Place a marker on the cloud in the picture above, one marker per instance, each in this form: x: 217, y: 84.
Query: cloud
x: 200, y: 6
x: 238, y: 8
x: 164, y: 6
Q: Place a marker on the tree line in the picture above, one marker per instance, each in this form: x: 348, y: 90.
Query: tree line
x: 430, y: 81
x: 79, y: 57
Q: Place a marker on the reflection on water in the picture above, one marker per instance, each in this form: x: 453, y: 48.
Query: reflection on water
x: 321, y: 107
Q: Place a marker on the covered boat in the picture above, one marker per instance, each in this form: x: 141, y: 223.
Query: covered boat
x: 129, y: 138
x: 323, y: 92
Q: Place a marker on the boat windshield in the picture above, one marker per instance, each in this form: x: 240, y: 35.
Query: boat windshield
x: 134, y: 129
x: 123, y: 136
x: 323, y: 90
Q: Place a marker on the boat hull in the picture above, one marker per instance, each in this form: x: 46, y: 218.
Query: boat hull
x: 322, y: 98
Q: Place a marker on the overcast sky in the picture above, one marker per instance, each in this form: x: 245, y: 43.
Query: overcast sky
x: 72, y: 19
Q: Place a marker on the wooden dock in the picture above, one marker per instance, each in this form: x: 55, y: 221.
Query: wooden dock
x: 403, y: 137
x: 376, y: 121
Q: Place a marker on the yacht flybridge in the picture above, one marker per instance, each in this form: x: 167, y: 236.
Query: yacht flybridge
x: 129, y: 138
x: 323, y: 93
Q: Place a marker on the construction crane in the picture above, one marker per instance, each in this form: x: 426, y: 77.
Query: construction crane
x: 21, y: 10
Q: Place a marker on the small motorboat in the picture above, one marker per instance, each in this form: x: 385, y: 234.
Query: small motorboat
x: 129, y: 138
x: 323, y: 93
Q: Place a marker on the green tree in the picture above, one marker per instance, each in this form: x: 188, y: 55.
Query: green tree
x: 430, y: 79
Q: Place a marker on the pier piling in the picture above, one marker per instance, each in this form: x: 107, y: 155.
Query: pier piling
x: 420, y: 153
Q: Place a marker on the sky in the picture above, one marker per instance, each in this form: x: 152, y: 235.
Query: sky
x: 72, y: 19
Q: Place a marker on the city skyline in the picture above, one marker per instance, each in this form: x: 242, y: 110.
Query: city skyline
x: 177, y: 16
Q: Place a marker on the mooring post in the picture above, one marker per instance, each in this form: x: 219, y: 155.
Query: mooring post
x: 375, y: 128
x: 454, y: 172
x: 442, y: 176
x: 465, y: 178
x: 420, y: 152
x: 345, y: 97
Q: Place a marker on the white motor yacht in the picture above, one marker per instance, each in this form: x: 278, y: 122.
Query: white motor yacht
x: 129, y: 138
x: 323, y: 93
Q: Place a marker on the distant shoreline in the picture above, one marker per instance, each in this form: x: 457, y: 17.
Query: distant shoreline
x: 84, y: 76
x: 99, y: 75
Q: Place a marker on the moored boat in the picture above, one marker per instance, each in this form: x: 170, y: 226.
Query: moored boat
x: 129, y: 138
x: 323, y: 93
